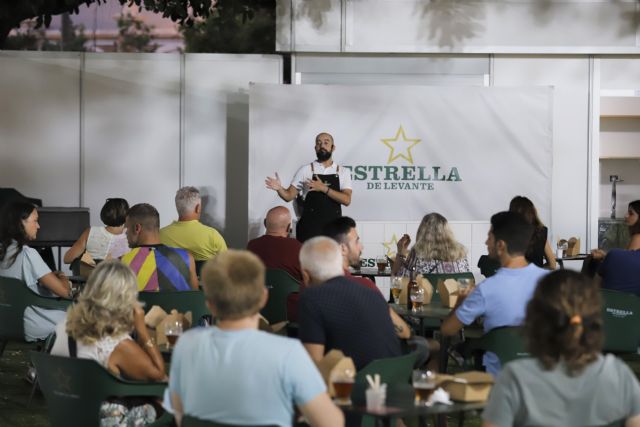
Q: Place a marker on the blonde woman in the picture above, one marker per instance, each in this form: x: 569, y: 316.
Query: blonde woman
x: 435, y: 250
x: 99, y: 325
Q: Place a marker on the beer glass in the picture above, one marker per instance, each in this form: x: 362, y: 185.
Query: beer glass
x: 396, y: 288
x: 173, y: 330
x: 416, y: 295
x: 424, y: 384
x: 342, y: 382
x: 381, y: 262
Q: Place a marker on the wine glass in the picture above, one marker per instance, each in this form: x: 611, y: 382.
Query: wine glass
x: 173, y: 330
x: 396, y: 288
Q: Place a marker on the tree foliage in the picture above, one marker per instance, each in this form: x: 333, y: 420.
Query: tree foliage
x: 134, y: 35
x: 234, y: 27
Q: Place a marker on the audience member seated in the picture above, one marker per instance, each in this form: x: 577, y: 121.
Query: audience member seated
x: 567, y: 382
x: 343, y: 231
x: 338, y: 313
x: 620, y: 271
x: 203, y: 242
x: 435, y: 250
x: 234, y: 374
x: 98, y: 327
x: 539, y: 248
x: 501, y: 299
x: 158, y: 267
x: 105, y: 242
x: 276, y: 249
x: 19, y: 225
x: 591, y: 265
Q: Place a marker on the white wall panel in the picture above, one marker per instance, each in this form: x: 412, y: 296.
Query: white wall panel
x: 132, y: 122
x: 570, y: 78
x: 501, y: 26
x: 39, y: 125
x: 317, y: 25
x: 216, y: 134
x: 620, y: 73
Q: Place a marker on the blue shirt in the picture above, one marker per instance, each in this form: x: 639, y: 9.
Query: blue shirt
x: 242, y: 377
x: 502, y: 300
x: 620, y: 271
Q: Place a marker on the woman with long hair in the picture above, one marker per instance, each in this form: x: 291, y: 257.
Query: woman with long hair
x: 99, y: 324
x: 539, y: 248
x: 18, y: 226
x: 632, y: 219
x: 567, y: 381
x: 435, y: 251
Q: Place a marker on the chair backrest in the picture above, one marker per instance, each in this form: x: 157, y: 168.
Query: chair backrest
x: 182, y: 301
x: 435, y: 278
x: 392, y: 370
x: 620, y: 318
x: 506, y: 342
x: 15, y: 296
x: 189, y: 421
x: 75, y: 388
x: 279, y: 284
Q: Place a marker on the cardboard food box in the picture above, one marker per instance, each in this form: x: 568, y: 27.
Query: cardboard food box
x: 449, y: 290
x: 573, y: 246
x: 472, y: 386
x: 423, y: 282
x: 276, y: 328
x: 332, y: 364
x: 156, y: 319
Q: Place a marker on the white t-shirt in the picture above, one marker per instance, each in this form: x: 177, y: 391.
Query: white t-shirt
x: 29, y: 267
x: 305, y: 173
x: 101, y: 243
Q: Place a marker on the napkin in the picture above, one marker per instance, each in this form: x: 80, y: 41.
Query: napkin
x: 440, y: 396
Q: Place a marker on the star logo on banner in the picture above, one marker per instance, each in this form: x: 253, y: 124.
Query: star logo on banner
x: 391, y: 246
x: 400, y: 144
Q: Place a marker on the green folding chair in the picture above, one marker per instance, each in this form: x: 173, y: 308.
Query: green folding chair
x: 279, y: 284
x: 75, y: 388
x: 188, y: 421
x: 506, y: 342
x: 620, y: 318
x: 392, y: 370
x: 15, y: 297
x: 182, y: 301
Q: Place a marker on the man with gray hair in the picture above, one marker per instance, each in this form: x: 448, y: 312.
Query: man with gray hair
x: 202, y: 241
x: 337, y: 313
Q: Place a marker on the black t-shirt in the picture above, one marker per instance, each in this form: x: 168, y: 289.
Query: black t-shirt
x: 347, y: 316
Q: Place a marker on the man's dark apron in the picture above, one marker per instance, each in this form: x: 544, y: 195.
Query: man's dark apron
x: 318, y: 208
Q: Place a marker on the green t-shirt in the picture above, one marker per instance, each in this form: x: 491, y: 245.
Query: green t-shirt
x: 525, y: 394
x: 202, y: 241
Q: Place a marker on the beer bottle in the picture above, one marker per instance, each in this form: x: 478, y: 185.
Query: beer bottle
x: 416, y: 293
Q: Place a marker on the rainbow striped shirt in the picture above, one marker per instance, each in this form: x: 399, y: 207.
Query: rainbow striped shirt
x: 159, y: 268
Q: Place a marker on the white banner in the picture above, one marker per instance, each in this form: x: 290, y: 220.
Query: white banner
x: 461, y: 151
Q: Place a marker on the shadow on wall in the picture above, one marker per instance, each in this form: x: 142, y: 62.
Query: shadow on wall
x: 315, y: 10
x: 209, y: 203
x: 450, y: 23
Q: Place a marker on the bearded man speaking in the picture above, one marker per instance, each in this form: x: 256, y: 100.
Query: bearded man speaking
x: 320, y: 189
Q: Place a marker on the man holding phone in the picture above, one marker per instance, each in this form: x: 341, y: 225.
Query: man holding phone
x: 320, y: 189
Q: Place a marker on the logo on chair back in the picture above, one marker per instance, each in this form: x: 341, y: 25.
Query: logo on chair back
x: 616, y: 312
x: 63, y: 385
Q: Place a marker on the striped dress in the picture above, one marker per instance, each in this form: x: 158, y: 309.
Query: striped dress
x: 159, y: 268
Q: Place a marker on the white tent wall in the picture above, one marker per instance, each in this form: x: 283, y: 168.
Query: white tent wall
x: 78, y: 128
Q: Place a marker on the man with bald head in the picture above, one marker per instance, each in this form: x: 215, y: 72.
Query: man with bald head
x: 320, y: 189
x: 276, y: 249
x: 338, y: 313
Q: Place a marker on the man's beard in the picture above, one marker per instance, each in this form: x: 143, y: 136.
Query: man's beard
x: 323, y: 155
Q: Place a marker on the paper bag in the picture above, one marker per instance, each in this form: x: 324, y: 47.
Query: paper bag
x: 331, y: 365
x: 423, y: 283
x: 473, y: 386
x: 276, y: 328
